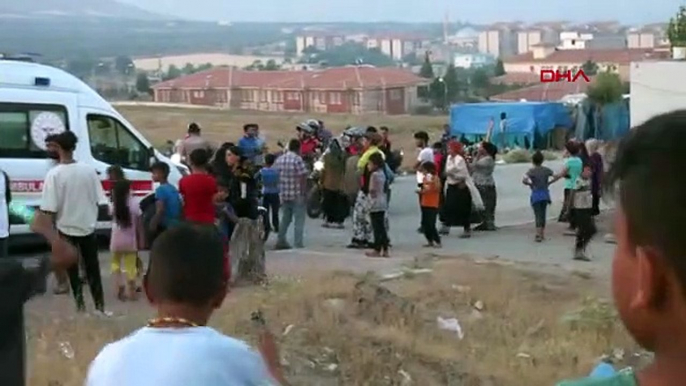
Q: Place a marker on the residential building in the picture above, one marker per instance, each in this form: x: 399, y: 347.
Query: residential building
x: 657, y: 87
x: 547, y: 57
x: 527, y: 39
x: 319, y: 40
x: 500, y: 42
x: 475, y: 60
x: 646, y: 38
x: 574, y: 40
x: 396, y: 46
x: 351, y: 89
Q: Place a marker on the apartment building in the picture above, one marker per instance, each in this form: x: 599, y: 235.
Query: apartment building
x: 500, y: 42
x: 529, y: 38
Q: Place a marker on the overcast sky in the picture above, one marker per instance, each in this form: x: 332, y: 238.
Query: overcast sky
x: 479, y: 11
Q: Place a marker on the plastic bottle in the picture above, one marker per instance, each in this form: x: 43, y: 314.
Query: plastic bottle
x: 26, y: 213
x: 603, y: 370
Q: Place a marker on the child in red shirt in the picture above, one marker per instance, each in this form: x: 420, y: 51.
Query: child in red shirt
x: 199, y: 190
x: 438, y: 157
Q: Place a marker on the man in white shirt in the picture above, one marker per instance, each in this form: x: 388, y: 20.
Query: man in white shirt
x: 185, y: 282
x: 72, y: 192
x: 426, y: 154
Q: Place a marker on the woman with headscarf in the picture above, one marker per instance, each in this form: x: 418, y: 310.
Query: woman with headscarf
x: 362, y: 229
x: 461, y: 195
x: 482, y: 173
x: 595, y: 160
x: 246, y: 246
x: 333, y: 178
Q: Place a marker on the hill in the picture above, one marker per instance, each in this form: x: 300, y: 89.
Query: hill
x: 53, y: 9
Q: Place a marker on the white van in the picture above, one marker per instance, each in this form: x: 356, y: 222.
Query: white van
x: 38, y: 100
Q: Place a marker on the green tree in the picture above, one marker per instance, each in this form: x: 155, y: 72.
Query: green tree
x: 676, y: 31
x: 479, y: 79
x: 124, y: 65
x: 607, y: 88
x: 590, y: 68
x: 172, y: 73
x: 143, y: 83
x: 352, y: 53
x: 271, y: 66
x: 204, y: 67
x: 427, y: 70
x: 499, y: 68
x: 188, y: 69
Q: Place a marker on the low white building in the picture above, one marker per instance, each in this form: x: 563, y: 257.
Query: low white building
x: 476, y: 60
x: 657, y: 87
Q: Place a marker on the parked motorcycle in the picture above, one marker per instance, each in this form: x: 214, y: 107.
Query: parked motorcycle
x: 314, y: 189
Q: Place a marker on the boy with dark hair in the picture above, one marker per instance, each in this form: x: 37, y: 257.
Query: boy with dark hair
x: 269, y: 179
x: 199, y: 190
x: 185, y: 282
x: 649, y: 270
x: 167, y: 201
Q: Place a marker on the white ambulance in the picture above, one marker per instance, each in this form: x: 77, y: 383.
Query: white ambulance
x: 38, y: 100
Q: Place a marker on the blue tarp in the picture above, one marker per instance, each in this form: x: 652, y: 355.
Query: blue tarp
x: 613, y: 124
x: 525, y: 120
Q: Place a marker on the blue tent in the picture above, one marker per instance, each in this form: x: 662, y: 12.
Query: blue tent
x: 526, y: 121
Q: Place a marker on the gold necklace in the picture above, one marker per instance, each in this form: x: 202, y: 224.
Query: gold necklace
x: 165, y: 321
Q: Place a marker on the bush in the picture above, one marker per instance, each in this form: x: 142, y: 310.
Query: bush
x: 517, y: 156
x: 550, y: 155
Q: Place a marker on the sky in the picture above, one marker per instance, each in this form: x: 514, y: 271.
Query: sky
x: 477, y: 11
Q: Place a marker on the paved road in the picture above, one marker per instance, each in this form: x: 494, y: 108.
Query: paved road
x: 325, y: 248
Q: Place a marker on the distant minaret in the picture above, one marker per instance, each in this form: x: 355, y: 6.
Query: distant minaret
x: 446, y: 20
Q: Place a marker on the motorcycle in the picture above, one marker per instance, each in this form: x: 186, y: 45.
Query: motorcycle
x: 314, y: 190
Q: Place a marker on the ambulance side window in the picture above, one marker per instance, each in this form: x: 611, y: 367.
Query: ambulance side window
x: 112, y: 143
x: 24, y: 127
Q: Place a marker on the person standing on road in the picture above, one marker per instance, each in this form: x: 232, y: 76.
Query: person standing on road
x: 72, y: 193
x: 570, y: 172
x: 482, y: 173
x: 425, y: 154
x: 596, y: 163
x: 538, y: 178
x: 378, y: 188
x: 292, y: 189
x: 461, y: 194
x: 193, y: 141
x: 333, y: 179
x: 362, y: 229
x: 269, y: 180
x: 429, y: 197
x: 352, y: 179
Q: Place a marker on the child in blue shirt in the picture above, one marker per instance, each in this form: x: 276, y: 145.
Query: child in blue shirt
x: 269, y: 179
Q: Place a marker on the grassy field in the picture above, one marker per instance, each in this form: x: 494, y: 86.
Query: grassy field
x: 164, y: 123
x: 520, y: 328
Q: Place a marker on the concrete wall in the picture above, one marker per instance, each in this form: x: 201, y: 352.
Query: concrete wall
x: 656, y: 88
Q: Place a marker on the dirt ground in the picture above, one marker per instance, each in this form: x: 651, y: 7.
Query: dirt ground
x: 520, y: 328
x: 160, y: 124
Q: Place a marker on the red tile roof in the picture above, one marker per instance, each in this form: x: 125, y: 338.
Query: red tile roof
x: 621, y: 56
x: 553, y: 91
x: 517, y: 78
x: 340, y: 78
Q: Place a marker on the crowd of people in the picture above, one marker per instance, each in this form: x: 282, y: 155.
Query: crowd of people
x: 205, y: 234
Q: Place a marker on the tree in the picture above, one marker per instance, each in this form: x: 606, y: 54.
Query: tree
x: 143, y: 83
x: 271, y: 66
x: 124, y: 65
x: 427, y: 70
x: 172, y: 73
x: 479, y: 79
x: 607, y: 88
x: 499, y: 68
x: 676, y: 31
x: 310, y: 50
x: 188, y: 69
x: 590, y: 68
x: 351, y: 53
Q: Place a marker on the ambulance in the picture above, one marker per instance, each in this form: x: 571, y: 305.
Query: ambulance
x: 38, y: 100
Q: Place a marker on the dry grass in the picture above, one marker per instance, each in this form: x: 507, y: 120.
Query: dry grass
x: 367, y: 335
x: 164, y: 123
